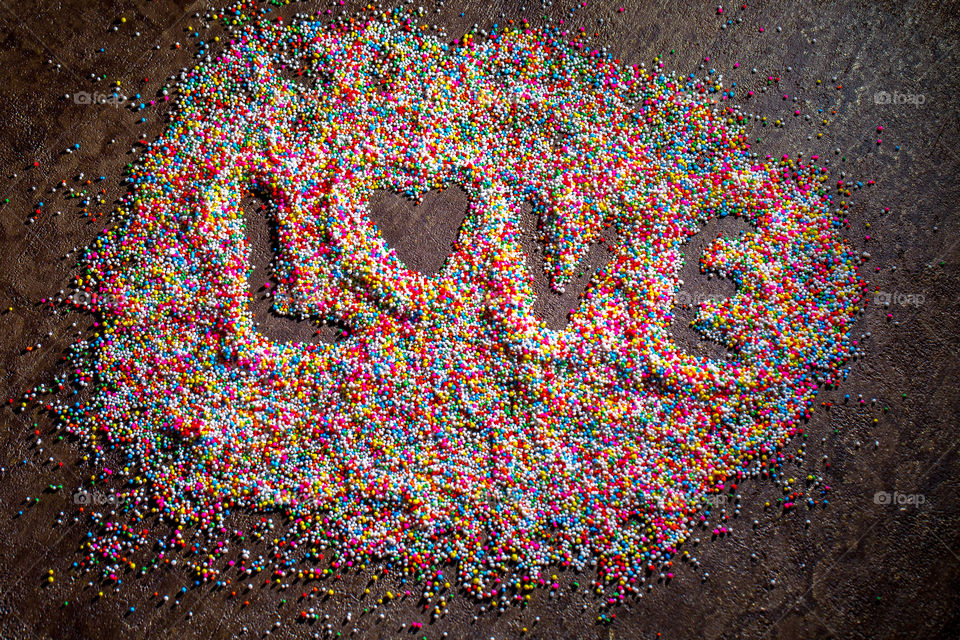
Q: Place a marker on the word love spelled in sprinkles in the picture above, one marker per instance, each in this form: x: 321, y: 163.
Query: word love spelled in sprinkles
x: 452, y: 428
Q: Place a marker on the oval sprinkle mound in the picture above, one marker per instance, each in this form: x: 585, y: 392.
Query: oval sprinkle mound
x: 452, y: 428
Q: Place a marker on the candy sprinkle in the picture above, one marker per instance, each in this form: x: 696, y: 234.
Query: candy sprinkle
x: 451, y: 428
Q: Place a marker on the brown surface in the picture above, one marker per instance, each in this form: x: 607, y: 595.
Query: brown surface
x: 858, y: 570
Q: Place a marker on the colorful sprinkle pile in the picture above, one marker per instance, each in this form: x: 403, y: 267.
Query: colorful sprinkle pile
x: 452, y: 428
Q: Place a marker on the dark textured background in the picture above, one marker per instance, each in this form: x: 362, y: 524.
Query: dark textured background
x: 859, y: 569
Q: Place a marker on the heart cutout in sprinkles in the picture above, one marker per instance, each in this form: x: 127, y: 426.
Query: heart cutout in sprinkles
x: 453, y: 426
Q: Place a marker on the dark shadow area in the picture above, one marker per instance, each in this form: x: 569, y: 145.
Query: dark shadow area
x: 303, y: 75
x: 552, y: 307
x: 263, y: 239
x: 422, y: 233
x: 698, y: 286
